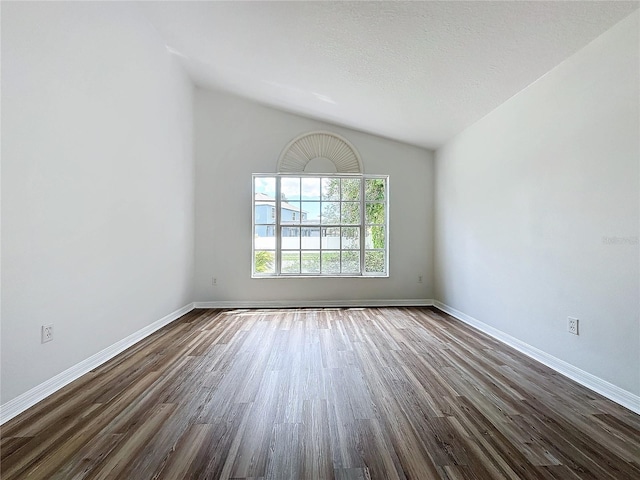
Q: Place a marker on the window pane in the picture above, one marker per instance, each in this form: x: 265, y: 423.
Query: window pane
x: 310, y: 212
x: 374, y: 213
x: 265, y: 238
x: 264, y: 212
x: 289, y: 213
x: 330, y: 213
x: 350, y: 238
x: 264, y: 261
x: 330, y: 189
x: 330, y: 262
x: 375, y: 237
x: 265, y: 186
x: 310, y: 262
x: 330, y: 238
x: 290, y: 238
x: 290, y: 188
x: 310, y: 188
x: 351, y: 262
x: 351, y: 213
x: 290, y: 262
x: 351, y: 189
x: 374, y: 262
x: 310, y: 239
x: 374, y: 189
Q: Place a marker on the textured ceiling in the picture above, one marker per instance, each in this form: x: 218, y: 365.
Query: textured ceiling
x: 417, y: 72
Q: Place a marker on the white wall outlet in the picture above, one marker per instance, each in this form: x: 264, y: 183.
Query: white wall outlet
x: 419, y: 278
x: 46, y: 333
x: 214, y: 281
x: 572, y: 325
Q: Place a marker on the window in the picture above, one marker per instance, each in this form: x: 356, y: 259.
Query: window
x: 323, y: 225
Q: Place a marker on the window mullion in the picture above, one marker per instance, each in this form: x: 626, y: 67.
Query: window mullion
x: 362, y: 227
x: 340, y: 205
x: 277, y: 225
x: 386, y: 226
x: 253, y: 224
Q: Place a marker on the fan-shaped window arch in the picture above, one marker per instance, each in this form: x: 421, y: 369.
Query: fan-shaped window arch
x: 320, y: 152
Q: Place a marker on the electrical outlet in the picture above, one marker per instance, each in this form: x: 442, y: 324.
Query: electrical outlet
x: 214, y: 281
x: 572, y: 325
x: 419, y: 278
x: 46, y: 333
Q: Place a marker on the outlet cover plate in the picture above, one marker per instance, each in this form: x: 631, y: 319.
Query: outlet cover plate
x: 572, y: 325
x: 46, y: 333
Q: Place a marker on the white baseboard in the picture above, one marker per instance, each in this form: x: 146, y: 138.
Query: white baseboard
x: 42, y: 391
x: 586, y: 379
x: 415, y: 302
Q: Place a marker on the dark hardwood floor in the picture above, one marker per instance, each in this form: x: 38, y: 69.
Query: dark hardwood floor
x: 380, y: 393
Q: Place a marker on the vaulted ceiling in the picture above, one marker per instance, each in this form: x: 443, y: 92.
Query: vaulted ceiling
x: 417, y: 72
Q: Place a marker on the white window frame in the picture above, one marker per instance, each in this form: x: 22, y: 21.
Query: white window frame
x: 362, y: 226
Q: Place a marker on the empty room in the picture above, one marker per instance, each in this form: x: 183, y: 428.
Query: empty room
x: 320, y: 240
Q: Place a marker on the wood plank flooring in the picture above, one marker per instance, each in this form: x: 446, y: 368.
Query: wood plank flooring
x: 375, y: 393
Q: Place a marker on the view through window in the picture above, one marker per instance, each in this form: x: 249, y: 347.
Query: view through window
x: 320, y: 225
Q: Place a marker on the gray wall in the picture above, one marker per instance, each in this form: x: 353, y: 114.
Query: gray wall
x: 235, y: 138
x: 97, y: 184
x: 537, y: 212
